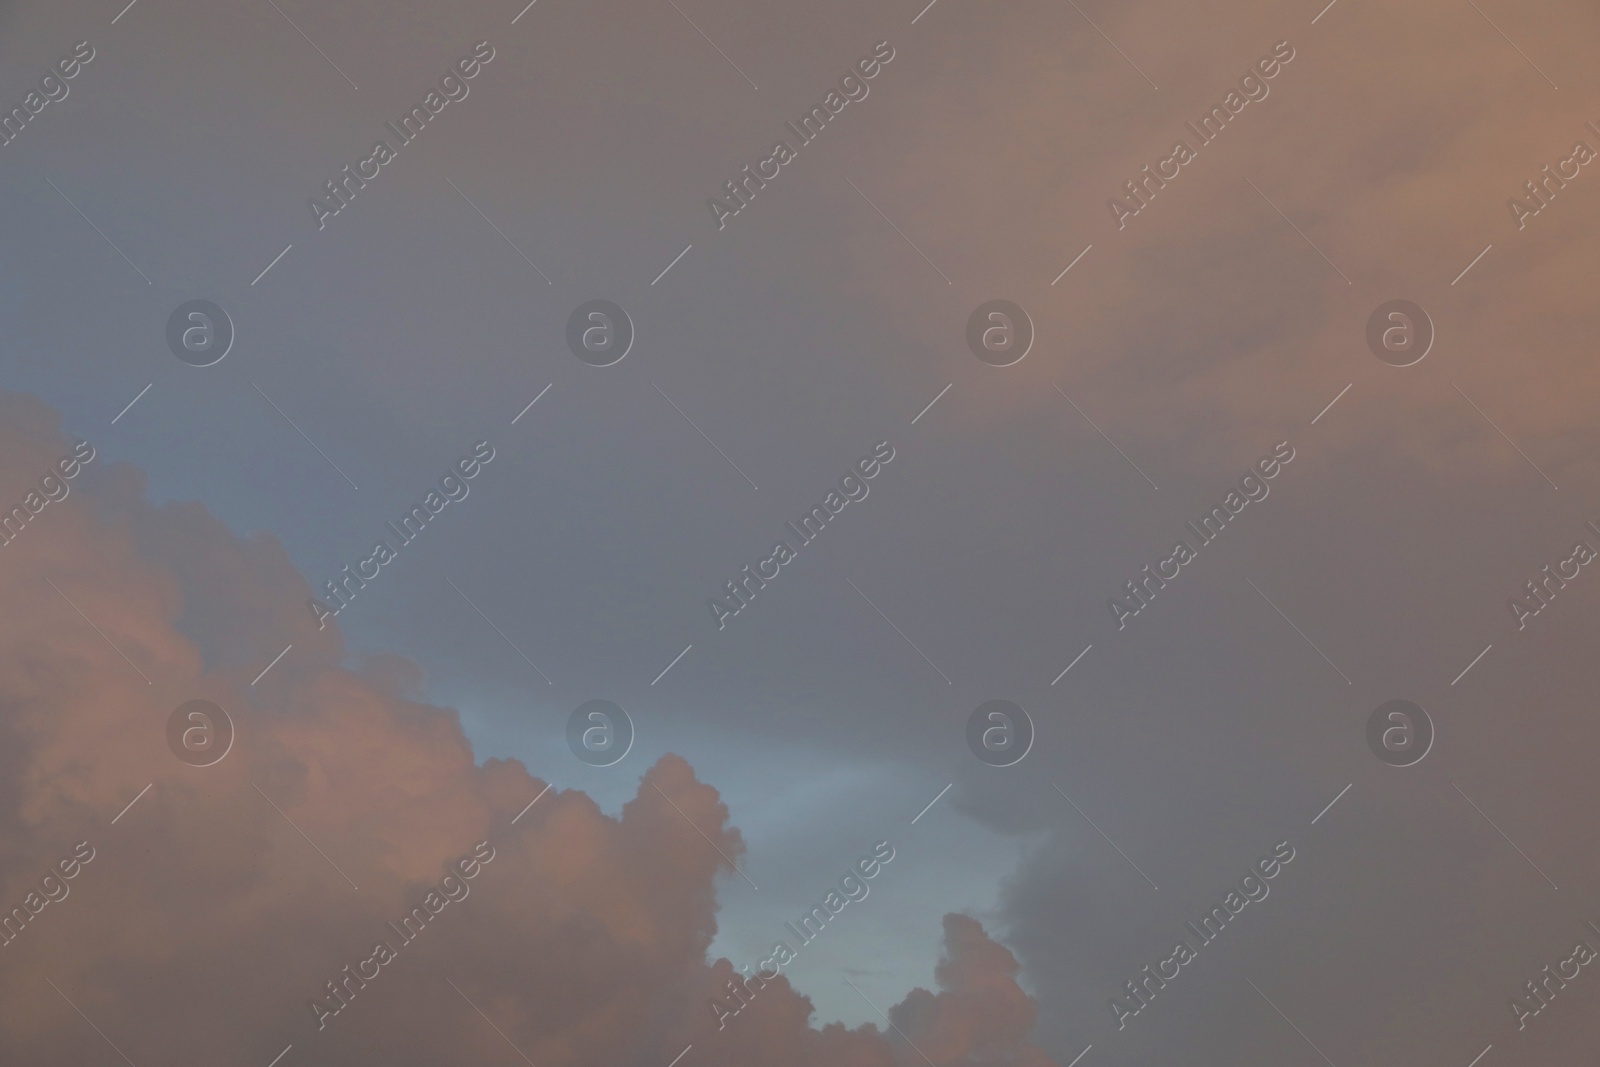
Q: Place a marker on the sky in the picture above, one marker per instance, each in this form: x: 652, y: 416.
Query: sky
x: 1342, y: 314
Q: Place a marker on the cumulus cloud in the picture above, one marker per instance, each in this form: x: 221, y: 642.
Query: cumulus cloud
x: 980, y: 1013
x: 227, y: 898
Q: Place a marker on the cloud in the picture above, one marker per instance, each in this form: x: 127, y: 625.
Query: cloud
x: 227, y: 898
x: 1208, y: 321
x: 980, y: 1015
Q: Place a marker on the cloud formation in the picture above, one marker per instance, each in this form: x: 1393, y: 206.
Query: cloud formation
x: 226, y: 899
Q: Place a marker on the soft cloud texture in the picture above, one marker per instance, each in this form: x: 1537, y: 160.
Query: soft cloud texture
x: 1205, y: 332
x: 206, y: 921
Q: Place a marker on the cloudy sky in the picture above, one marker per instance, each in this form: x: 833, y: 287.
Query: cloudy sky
x: 1370, y: 155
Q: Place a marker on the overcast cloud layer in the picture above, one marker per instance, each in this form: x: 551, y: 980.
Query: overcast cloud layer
x: 1203, y: 340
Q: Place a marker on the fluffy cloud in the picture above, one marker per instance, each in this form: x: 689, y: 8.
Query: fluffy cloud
x: 980, y: 1011
x: 208, y: 919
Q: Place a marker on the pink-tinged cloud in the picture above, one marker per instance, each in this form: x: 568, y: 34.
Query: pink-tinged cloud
x: 227, y: 903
